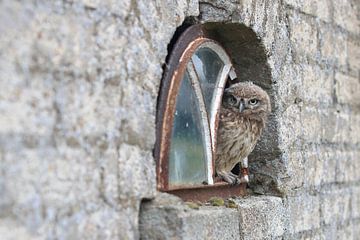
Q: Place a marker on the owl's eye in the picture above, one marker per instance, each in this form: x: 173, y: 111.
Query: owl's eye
x: 232, y: 100
x: 253, y: 101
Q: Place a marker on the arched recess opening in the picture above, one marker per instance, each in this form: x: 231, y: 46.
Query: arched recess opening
x: 248, y: 59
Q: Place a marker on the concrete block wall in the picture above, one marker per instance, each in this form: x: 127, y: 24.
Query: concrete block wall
x: 78, y: 91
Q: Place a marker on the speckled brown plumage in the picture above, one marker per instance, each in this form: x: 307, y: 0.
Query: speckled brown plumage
x: 243, y: 116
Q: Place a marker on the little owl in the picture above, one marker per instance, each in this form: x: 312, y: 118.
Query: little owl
x: 243, y: 116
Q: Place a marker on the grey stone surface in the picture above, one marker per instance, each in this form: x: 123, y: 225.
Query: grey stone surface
x: 79, y: 84
x: 303, y: 212
x: 261, y: 217
x: 336, y: 206
x: 347, y: 89
x: 169, y: 218
x: 254, y: 218
x: 346, y: 15
x: 303, y: 34
x: 79, y: 87
x: 321, y: 167
x: 12, y: 230
x: 318, y: 9
x: 333, y: 45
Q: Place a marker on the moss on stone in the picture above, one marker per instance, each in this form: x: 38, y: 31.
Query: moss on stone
x: 216, y: 201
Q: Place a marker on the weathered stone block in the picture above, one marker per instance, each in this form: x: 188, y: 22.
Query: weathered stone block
x: 304, y: 212
x: 307, y: 235
x: 154, y: 24
x: 274, y: 26
x: 168, y: 218
x: 354, y: 126
x: 159, y: 218
x: 259, y: 13
x: 246, y: 11
x: 137, y: 130
x: 11, y: 230
x: 317, y: 84
x: 311, y: 124
x: 24, y: 191
x: 356, y: 228
x: 320, y: 9
x: 102, y: 223
x: 335, y: 232
x: 333, y: 45
x: 290, y: 125
x: 215, y: 11
x: 320, y: 164
x: 295, y: 170
x: 136, y: 173
x: 256, y: 217
x: 347, y: 167
x: 355, y: 202
x: 347, y: 89
x: 353, y: 48
x: 312, y: 235
x: 345, y: 232
x: 27, y: 110
x: 314, y: 165
x: 336, y: 126
x: 261, y: 217
x: 291, y: 75
x: 303, y: 34
x: 346, y: 15
x: 210, y: 223
x: 335, y: 206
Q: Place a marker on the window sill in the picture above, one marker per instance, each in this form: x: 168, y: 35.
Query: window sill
x: 205, y: 192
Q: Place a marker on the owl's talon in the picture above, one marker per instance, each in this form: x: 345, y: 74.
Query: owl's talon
x: 230, y: 178
x: 233, y: 175
x: 237, y: 181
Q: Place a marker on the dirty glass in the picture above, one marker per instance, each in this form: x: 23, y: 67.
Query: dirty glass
x: 187, y: 163
x: 208, y: 66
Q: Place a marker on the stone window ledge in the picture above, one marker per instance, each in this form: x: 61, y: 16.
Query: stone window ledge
x: 255, y: 217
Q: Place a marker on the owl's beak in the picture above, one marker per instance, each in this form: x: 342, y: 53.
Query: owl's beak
x: 241, y: 106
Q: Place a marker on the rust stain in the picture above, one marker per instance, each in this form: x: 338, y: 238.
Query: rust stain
x: 244, y: 171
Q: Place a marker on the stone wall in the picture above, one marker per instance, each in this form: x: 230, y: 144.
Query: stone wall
x: 79, y: 86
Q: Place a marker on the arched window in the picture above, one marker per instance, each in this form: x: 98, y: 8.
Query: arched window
x: 190, y: 98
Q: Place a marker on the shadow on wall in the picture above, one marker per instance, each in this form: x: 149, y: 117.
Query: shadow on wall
x: 249, y: 58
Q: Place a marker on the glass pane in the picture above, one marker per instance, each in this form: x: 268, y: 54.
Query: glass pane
x: 208, y: 66
x: 187, y: 163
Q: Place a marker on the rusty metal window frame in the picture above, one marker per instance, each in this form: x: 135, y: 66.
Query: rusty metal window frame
x: 179, y: 62
x: 205, y: 121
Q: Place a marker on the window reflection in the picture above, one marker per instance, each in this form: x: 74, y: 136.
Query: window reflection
x: 208, y: 66
x: 187, y: 163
